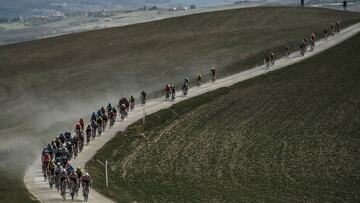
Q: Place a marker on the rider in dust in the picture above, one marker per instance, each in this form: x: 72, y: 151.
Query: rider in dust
x: 69, y: 168
x: 122, y: 101
x: 79, y: 175
x: 111, y: 118
x: 99, y: 125
x: 51, y: 173
x: 82, y: 124
x: 143, y: 97
x: 103, y: 111
x: 86, y: 184
x: 62, y: 138
x: 185, y: 87
x: 287, y: 51
x: 267, y: 61
x: 57, y: 173
x: 167, y: 92
x: 77, y: 128
x: 213, y: 74
x: 73, y: 183
x: 93, y: 128
x: 93, y: 117
x: 312, y: 41
x: 331, y: 29
x: 63, y: 183
x: 45, y: 159
x: 132, y: 102
x: 88, y: 134
x: 173, y: 92
x: 109, y: 107
x: 303, y: 48
x: 115, y: 113
x: 105, y: 121
x: 272, y: 58
x: 76, y: 141
x: 337, y: 27
x: 69, y: 146
x: 199, y: 80
x: 123, y: 111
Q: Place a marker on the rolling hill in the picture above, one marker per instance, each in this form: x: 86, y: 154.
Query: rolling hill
x: 48, y: 84
x: 290, y: 136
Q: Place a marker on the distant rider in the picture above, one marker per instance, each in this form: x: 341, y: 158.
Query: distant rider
x: 58, y: 169
x: 73, y: 177
x: 272, y: 58
x: 86, y: 180
x: 99, y: 122
x: 109, y: 107
x: 287, y: 51
x: 132, y: 102
x: 167, y: 91
x: 267, y: 61
x: 63, y: 176
x: 199, y: 80
x: 93, y: 116
x: 185, y: 86
x: 51, y: 168
x: 69, y: 168
x: 82, y: 124
x: 103, y: 111
x: 114, y: 111
x: 337, y: 25
x: 173, y: 92
x: 213, y: 74
x: 143, y: 97
x: 79, y: 175
x: 77, y: 128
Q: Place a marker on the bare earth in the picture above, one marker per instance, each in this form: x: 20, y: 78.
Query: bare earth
x: 33, y: 178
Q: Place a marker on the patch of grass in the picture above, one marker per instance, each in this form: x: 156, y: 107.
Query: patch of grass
x: 13, y: 26
x: 289, y: 137
x: 12, y: 189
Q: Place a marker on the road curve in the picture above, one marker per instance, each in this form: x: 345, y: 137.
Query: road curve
x: 34, y: 180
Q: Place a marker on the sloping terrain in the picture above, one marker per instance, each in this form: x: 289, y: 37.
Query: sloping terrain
x: 48, y: 84
x: 290, y: 136
x: 33, y: 178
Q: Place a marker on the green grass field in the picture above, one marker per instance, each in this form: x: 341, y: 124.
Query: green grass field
x: 289, y: 137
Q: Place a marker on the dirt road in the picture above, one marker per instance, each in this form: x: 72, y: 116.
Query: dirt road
x: 35, y: 182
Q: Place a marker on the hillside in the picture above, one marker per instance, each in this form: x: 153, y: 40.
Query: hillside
x: 290, y: 136
x: 46, y: 85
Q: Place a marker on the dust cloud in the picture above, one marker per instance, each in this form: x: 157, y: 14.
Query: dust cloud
x: 32, y: 117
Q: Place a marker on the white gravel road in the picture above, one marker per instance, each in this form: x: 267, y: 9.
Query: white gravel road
x: 39, y: 188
